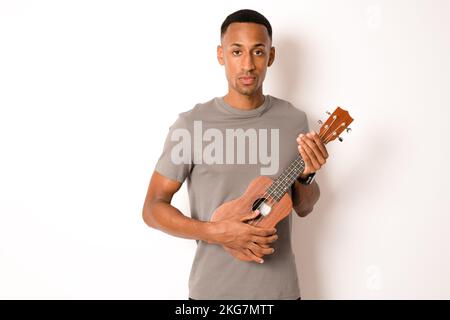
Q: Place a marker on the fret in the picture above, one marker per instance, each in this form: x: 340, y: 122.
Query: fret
x: 281, y: 184
x: 329, y: 131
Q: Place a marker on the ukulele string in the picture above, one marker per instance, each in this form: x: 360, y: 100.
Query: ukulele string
x: 327, y: 127
x: 271, y: 200
x: 280, y: 187
x: 334, y: 132
x: 267, y: 196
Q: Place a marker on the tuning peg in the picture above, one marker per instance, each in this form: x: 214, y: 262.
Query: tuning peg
x: 340, y: 139
x: 319, y: 122
x: 328, y: 113
x: 348, y: 130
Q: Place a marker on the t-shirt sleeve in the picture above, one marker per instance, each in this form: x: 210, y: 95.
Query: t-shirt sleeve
x: 303, y: 125
x: 306, y: 124
x: 301, y: 121
x: 175, y: 161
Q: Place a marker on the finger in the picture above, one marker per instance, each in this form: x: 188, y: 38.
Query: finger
x: 255, y: 250
x: 264, y: 232
x: 264, y: 240
x: 320, y: 144
x: 261, y: 251
x: 252, y: 256
x: 308, y: 163
x: 250, y: 216
x: 311, y: 155
x: 311, y: 143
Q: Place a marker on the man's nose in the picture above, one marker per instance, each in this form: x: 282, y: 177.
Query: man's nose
x: 248, y: 63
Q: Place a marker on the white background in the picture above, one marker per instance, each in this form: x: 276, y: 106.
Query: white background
x: 89, y: 88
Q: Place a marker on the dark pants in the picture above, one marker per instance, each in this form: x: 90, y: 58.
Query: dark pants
x: 299, y: 298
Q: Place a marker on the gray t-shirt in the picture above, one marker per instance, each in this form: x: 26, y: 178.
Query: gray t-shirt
x: 219, y: 150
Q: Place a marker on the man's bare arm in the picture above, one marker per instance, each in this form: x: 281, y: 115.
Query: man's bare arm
x: 314, y: 153
x: 305, y: 197
x: 160, y: 214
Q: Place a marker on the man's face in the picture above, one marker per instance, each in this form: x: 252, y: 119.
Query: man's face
x: 246, y: 51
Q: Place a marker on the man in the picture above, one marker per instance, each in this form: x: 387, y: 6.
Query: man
x: 213, y: 146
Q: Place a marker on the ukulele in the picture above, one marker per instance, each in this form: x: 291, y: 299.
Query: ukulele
x: 270, y: 196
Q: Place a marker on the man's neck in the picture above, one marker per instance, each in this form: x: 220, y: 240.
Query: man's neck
x: 240, y: 101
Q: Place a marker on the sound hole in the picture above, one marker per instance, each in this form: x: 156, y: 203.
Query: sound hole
x: 262, y: 206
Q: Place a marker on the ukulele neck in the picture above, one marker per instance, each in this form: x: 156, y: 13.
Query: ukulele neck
x: 338, y: 121
x: 281, y: 184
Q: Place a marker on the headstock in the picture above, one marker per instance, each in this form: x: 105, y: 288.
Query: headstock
x: 337, y: 122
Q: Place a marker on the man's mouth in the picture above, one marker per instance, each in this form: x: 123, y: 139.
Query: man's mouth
x: 247, y: 80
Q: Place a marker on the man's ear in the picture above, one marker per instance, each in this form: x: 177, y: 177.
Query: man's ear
x: 271, y: 56
x: 220, y: 55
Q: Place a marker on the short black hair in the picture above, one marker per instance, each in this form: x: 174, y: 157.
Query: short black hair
x: 246, y: 15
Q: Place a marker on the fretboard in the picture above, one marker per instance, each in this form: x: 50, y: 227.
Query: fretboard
x: 281, y: 184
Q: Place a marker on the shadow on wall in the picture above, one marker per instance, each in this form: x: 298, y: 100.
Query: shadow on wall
x: 288, y: 59
x: 308, y: 233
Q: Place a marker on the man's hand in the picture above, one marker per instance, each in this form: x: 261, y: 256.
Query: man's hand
x: 250, y: 240
x: 313, y: 152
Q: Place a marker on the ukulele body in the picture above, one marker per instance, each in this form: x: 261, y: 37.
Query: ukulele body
x: 272, y: 211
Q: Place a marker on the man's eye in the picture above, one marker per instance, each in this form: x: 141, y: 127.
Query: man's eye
x: 236, y: 52
x: 259, y: 52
